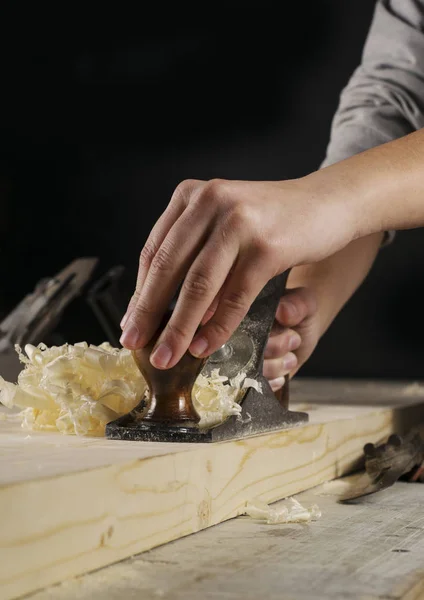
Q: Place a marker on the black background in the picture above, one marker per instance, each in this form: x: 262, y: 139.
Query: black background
x: 105, y: 113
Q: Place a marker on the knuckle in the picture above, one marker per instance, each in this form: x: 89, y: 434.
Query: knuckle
x: 232, y: 222
x: 183, y: 189
x: 133, y: 301
x: 241, y: 217
x: 134, y: 298
x: 177, y: 331
x: 196, y: 285
x: 215, y: 192
x: 214, y: 187
x: 141, y: 310
x: 235, y: 302
x: 147, y: 254
x: 188, y: 192
x: 220, y: 329
x: 260, y: 246
x: 162, y: 260
x: 237, y: 215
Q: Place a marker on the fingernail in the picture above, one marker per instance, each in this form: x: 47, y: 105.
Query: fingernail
x: 294, y: 341
x: 289, y: 362
x: 277, y: 383
x: 161, y: 356
x: 199, y: 346
x: 124, y: 320
x: 130, y: 337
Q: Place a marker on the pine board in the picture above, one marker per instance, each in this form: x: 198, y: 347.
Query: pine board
x: 70, y: 505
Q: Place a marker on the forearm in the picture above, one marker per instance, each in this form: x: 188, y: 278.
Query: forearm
x: 381, y: 189
x: 335, y: 279
x: 383, y: 101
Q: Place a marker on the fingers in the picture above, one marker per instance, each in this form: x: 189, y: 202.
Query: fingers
x: 239, y: 293
x: 157, y: 236
x: 150, y: 248
x: 167, y: 269
x: 277, y: 384
x: 294, y: 334
x: 280, y: 343
x: 308, y: 331
x: 211, y: 310
x: 279, y: 367
x: 199, y: 290
x: 295, y: 306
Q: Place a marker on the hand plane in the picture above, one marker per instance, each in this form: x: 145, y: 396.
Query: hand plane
x: 167, y: 413
x: 400, y: 457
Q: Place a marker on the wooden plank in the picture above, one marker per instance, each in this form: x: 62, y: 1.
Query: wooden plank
x: 371, y: 550
x: 71, y: 505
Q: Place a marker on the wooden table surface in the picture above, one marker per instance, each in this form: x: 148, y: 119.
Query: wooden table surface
x: 371, y: 549
x: 50, y: 485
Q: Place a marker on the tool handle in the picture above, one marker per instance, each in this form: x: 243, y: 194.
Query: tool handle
x: 170, y: 391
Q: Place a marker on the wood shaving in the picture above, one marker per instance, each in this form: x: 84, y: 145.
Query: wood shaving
x: 296, y: 513
x: 78, y: 389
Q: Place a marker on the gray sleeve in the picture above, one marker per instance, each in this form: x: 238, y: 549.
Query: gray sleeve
x: 384, y: 98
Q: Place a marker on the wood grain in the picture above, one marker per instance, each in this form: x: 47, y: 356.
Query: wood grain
x: 367, y: 550
x: 70, y: 505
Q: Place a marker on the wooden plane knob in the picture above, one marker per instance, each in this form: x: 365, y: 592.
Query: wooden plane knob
x: 170, y: 390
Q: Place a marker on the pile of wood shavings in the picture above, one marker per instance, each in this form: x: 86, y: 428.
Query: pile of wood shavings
x: 78, y: 389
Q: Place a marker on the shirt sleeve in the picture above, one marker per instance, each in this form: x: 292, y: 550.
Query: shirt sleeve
x: 384, y: 98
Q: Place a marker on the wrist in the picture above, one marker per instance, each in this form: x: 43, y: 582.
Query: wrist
x: 364, y: 189
x: 337, y: 192
x: 381, y: 188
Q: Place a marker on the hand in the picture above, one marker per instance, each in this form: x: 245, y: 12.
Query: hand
x: 316, y: 294
x: 294, y: 336
x: 225, y: 240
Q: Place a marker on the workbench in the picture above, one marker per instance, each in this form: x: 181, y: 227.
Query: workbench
x: 70, y: 506
x: 372, y: 549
